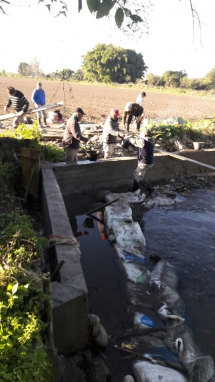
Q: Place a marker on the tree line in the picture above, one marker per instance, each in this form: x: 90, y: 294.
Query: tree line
x: 111, y: 64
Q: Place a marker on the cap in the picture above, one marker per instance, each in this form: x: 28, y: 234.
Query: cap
x: 103, y: 236
x: 79, y: 110
x: 115, y: 112
x: 128, y: 106
x: 11, y: 90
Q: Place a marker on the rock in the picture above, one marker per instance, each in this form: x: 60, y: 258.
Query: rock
x: 128, y: 378
x: 101, y: 338
x: 94, y: 323
x: 97, y: 371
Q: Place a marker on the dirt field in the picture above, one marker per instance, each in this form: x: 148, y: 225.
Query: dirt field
x: 96, y: 101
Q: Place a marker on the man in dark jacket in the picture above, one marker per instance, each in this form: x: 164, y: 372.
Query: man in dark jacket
x: 132, y: 110
x: 145, y: 154
x: 19, y: 103
x: 72, y: 136
x: 110, y: 133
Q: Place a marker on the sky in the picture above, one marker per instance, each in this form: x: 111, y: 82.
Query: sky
x: 30, y: 31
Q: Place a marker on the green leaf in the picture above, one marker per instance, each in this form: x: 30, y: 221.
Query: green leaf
x: 119, y: 17
x: 15, y: 287
x: 127, y: 12
x: 104, y: 8
x: 93, y: 5
x: 136, y: 18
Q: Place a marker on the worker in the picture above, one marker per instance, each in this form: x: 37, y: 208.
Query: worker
x: 39, y: 99
x: 110, y: 133
x: 72, y: 136
x: 145, y: 154
x: 19, y: 103
x: 132, y: 110
x: 140, y: 98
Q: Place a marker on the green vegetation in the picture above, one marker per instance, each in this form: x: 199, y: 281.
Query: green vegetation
x: 22, y: 353
x: 48, y: 152
x: 107, y: 63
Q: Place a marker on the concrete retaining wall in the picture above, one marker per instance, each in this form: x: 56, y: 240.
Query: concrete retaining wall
x: 69, y: 296
x: 119, y: 171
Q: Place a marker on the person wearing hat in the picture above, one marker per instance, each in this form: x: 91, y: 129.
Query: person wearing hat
x: 19, y: 103
x: 145, y: 145
x: 132, y: 110
x: 72, y: 136
x: 110, y: 133
x: 39, y: 99
x: 140, y: 98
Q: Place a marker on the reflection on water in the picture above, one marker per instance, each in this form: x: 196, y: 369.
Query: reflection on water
x: 184, y: 235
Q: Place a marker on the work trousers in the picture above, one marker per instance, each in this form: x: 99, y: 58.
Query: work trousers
x: 71, y: 156
x: 108, y: 149
x: 141, y: 170
x: 41, y: 113
x: 17, y: 120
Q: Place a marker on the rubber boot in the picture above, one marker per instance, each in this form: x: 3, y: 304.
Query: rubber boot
x: 40, y: 123
x: 135, y: 185
x: 147, y: 185
x: 45, y: 124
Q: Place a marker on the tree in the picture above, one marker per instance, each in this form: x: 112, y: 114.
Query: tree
x: 24, y: 69
x: 210, y: 78
x: 173, y: 78
x: 154, y: 80
x: 107, y: 63
x: 65, y: 74
x: 79, y: 75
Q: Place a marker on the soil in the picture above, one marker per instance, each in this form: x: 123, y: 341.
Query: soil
x: 96, y: 101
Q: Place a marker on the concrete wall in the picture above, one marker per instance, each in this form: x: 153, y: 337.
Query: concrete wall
x: 69, y: 296
x: 119, y: 171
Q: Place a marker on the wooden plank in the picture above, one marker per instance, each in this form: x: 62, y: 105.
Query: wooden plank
x: 28, y: 162
x: 177, y: 156
x: 30, y: 111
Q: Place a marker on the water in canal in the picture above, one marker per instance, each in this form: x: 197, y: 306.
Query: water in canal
x: 183, y: 234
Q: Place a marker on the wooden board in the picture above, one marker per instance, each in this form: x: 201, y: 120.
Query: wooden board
x: 30, y: 158
x: 30, y: 111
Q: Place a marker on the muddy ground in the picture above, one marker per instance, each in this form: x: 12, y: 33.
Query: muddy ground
x: 96, y: 101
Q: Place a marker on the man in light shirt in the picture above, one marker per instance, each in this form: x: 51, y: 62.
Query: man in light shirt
x: 140, y: 98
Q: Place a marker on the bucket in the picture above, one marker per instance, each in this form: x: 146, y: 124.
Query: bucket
x: 196, y: 145
x: 92, y: 155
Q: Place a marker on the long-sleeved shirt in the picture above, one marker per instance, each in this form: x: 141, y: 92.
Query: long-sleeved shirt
x: 110, y: 130
x: 18, y: 101
x: 136, y: 111
x: 72, y: 133
x: 145, y: 149
x: 39, y: 97
x: 140, y: 99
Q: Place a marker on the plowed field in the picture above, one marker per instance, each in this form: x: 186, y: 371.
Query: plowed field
x: 96, y: 101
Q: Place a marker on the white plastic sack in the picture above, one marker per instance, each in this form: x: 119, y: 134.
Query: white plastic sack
x: 165, y: 273
x: 128, y: 197
x: 116, y: 211
x: 147, y: 372
x: 128, y: 235
x: 147, y: 321
x: 135, y: 257
x: 135, y: 273
x: 163, y: 201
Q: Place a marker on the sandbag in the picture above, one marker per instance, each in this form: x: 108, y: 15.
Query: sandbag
x: 101, y: 338
x: 165, y: 273
x: 123, y: 254
x: 154, y: 348
x: 128, y: 197
x: 145, y: 319
x: 163, y: 201
x: 128, y: 235
x: 147, y: 372
x: 120, y: 210
x: 134, y: 272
